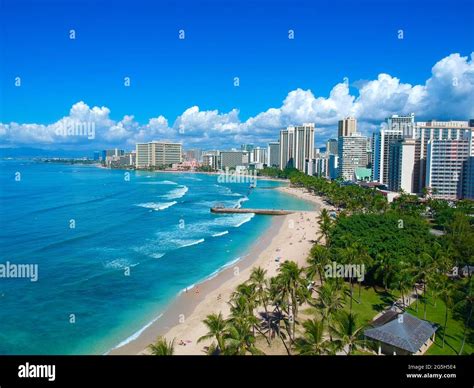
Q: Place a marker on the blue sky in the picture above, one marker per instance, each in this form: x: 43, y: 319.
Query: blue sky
x: 224, y: 39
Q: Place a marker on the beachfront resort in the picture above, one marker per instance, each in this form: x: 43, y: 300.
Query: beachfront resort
x: 381, y: 266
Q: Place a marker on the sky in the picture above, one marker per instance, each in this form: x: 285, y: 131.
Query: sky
x: 235, y: 78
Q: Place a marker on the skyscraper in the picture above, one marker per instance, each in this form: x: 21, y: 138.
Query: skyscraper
x: 260, y: 155
x: 435, y: 130
x: 194, y: 154
x: 444, y: 167
x: 347, y: 127
x: 296, y: 146
x: 273, y: 154
x: 211, y: 159
x: 333, y: 166
x: 232, y: 159
x: 394, y: 129
x: 331, y: 147
x: 381, y: 153
x: 405, y: 124
x: 158, y: 153
x: 352, y: 154
x: 468, y: 179
x: 402, y: 166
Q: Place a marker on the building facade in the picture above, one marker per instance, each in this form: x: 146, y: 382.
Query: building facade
x: 468, y: 179
x: 333, y: 166
x: 435, y: 130
x: 211, y: 159
x: 297, y: 146
x: 158, y: 154
x: 232, y: 159
x: 382, y: 140
x: 402, y: 166
x: 273, y: 154
x: 405, y: 124
x: 260, y: 155
x: 194, y: 154
x: 331, y: 147
x: 445, y: 162
x: 352, y: 154
x: 347, y: 127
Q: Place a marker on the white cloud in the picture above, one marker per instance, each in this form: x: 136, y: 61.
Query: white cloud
x: 447, y: 94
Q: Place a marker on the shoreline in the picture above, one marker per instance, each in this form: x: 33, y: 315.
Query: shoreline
x: 182, y: 318
x: 258, y: 177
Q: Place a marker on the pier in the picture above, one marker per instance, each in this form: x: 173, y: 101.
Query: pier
x: 268, y: 212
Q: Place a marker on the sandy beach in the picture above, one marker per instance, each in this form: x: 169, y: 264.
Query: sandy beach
x: 289, y: 237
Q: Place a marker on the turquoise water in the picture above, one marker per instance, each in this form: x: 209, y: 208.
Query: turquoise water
x: 134, y: 246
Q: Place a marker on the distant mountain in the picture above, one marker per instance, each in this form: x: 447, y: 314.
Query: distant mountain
x: 27, y: 152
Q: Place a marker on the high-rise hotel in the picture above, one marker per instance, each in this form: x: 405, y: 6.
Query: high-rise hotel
x: 273, y: 154
x: 411, y: 155
x: 435, y: 130
x: 395, y: 128
x: 158, y: 154
x: 297, y: 146
x: 352, y: 149
x: 445, y: 166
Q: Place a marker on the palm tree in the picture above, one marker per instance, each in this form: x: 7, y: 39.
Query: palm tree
x: 240, y: 340
x: 246, y: 291
x: 424, y: 271
x: 280, y: 303
x: 217, y: 328
x: 259, y: 284
x: 386, y: 268
x: 445, y: 291
x: 294, y: 288
x: 325, y: 225
x: 161, y: 347
x: 404, y: 280
x: 313, y: 341
x: 363, y: 260
x: 331, y: 300
x: 469, y: 300
x: 317, y: 261
x: 351, y: 255
x: 347, y: 331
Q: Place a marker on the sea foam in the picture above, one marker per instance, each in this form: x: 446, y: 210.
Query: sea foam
x: 176, y: 193
x: 157, y: 205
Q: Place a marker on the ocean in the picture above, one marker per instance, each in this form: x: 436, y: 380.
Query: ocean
x: 112, y: 252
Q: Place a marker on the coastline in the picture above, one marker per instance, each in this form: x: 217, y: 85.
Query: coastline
x: 288, y: 237
x: 258, y: 177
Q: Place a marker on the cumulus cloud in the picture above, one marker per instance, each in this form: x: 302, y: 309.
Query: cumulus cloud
x: 447, y: 94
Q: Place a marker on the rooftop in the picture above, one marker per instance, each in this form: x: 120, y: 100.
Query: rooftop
x: 403, y: 331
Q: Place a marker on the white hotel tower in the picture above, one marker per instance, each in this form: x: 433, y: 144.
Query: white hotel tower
x: 297, y: 146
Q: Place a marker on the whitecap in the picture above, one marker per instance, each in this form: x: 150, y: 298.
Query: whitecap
x: 157, y: 205
x: 157, y: 255
x: 158, y: 183
x: 176, y: 193
x: 137, y: 334
x: 188, y: 243
x: 220, y: 233
x: 239, y: 202
x: 247, y: 218
x: 119, y: 263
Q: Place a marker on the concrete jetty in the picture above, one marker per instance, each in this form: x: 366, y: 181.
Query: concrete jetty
x: 268, y: 212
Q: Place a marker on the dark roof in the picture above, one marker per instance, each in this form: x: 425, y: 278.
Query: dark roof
x: 407, y: 332
x: 384, y: 318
